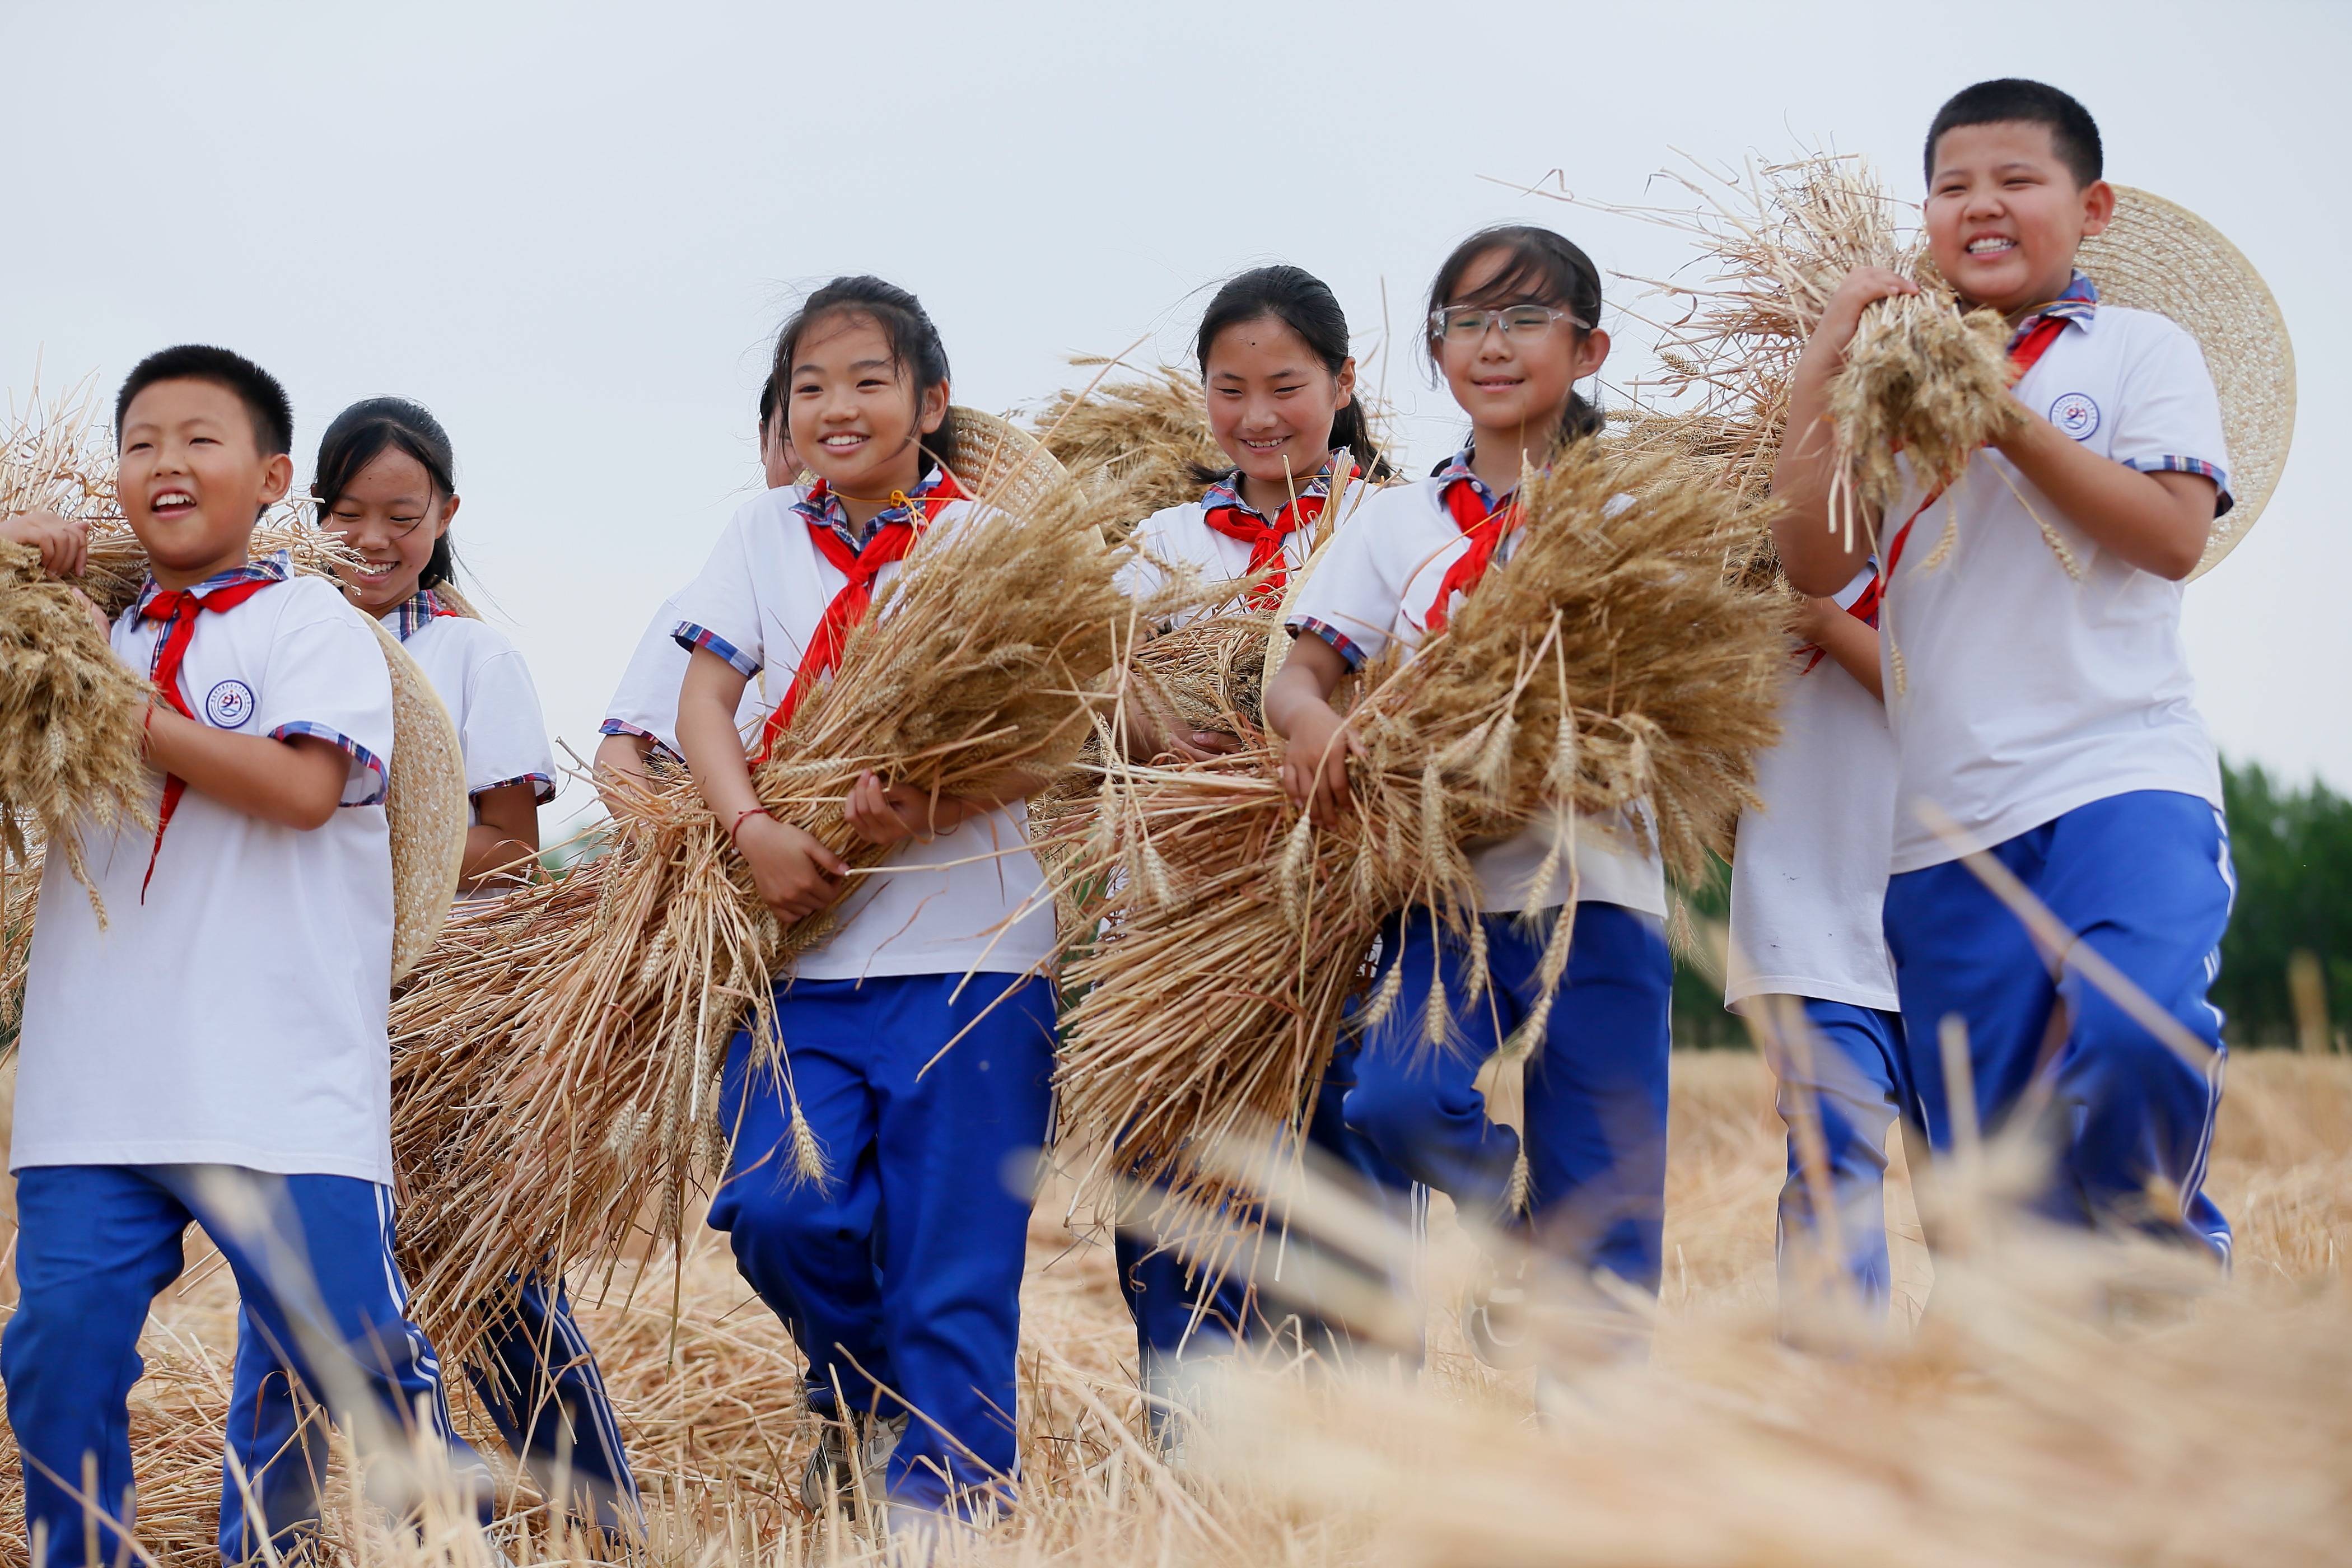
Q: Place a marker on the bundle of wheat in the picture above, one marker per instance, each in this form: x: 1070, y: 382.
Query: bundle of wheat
x: 1135, y: 444
x: 1920, y: 377
x: 1611, y: 663
x: 979, y: 668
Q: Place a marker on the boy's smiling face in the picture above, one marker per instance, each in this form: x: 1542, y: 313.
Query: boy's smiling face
x: 192, y: 479
x: 2005, y: 215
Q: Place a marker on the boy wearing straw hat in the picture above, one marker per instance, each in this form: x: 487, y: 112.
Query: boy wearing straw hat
x: 211, y: 1047
x: 2040, y: 696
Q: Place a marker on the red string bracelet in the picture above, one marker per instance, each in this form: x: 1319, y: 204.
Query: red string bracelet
x: 748, y: 811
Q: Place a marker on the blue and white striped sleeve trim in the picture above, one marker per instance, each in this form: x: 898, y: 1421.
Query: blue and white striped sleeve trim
x: 622, y: 727
x: 2223, y: 500
x: 1339, y: 641
x: 542, y: 788
x: 366, y: 766
x: 689, y: 637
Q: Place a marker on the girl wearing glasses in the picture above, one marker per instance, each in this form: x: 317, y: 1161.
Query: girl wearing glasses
x: 1514, y: 325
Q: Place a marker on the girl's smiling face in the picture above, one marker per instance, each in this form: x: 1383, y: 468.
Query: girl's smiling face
x: 1511, y: 373
x: 1271, y: 405
x: 855, y: 416
x: 394, y: 514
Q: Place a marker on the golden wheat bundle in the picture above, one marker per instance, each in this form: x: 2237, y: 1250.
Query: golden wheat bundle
x: 977, y: 670
x: 1612, y: 667
x: 1921, y: 377
x: 1135, y: 444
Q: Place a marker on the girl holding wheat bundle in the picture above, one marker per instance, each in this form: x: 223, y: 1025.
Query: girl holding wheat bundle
x: 1278, y: 381
x: 866, y: 1191
x: 386, y: 482
x: 1513, y: 325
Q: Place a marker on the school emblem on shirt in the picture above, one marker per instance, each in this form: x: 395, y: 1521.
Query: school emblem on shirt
x: 229, y: 704
x: 2076, y: 414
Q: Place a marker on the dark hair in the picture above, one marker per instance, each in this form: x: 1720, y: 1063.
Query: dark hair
x: 1304, y: 303
x: 265, y: 400
x: 1540, y: 268
x: 771, y: 401
x: 2074, y: 134
x: 915, y: 345
x: 364, y: 432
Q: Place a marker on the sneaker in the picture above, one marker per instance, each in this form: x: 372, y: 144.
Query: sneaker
x: 1495, y: 1322
x: 833, y: 1478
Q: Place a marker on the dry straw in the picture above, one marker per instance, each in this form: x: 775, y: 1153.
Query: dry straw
x: 1134, y: 443
x: 1611, y: 665
x: 1775, y: 241
x: 560, y: 1053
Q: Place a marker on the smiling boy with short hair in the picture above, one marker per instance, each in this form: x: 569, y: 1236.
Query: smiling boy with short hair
x: 216, y: 1049
x: 2046, y: 717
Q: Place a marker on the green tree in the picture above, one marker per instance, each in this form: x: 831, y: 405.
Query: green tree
x: 2292, y: 851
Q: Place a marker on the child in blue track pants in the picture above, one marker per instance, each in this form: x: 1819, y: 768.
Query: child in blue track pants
x: 1807, y: 959
x: 918, y: 1036
x: 898, y: 1275
x: 2037, y: 686
x: 1278, y: 383
x: 386, y: 482
x: 1511, y: 330
x: 1596, y: 1086
x: 215, y: 1051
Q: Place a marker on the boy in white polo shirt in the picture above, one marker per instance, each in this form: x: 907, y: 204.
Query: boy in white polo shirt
x: 2041, y: 699
x: 214, y: 1049
x: 1808, y: 882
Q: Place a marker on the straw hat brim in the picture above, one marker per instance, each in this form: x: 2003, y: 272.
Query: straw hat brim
x: 1000, y: 463
x: 425, y: 801
x: 2158, y: 256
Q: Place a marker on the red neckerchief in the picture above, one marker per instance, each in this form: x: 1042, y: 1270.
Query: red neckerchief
x: 890, y: 542
x: 1864, y: 609
x: 1484, y: 530
x: 1268, y: 571
x: 179, y: 613
x: 2023, y: 356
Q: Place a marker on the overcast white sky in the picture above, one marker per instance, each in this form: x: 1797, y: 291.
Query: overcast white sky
x: 572, y: 231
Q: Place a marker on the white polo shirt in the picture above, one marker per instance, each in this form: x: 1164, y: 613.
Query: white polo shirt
x: 646, y: 702
x: 1178, y: 538
x: 481, y: 678
x: 1808, y: 868
x: 2027, y: 691
x: 236, y: 1015
x: 1374, y: 585
x: 971, y: 899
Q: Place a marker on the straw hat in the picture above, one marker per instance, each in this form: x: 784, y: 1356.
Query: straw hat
x: 425, y: 801
x: 1000, y: 461
x: 2156, y: 255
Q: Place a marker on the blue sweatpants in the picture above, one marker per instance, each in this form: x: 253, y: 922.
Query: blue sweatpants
x: 1851, y: 1075
x: 1164, y: 1294
x: 900, y: 1277
x: 312, y: 1257
x: 535, y: 1376
x: 2144, y: 879
x: 1596, y: 1087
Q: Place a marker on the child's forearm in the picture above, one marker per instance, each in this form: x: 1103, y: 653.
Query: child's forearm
x: 1309, y: 674
x: 502, y: 846
x: 1852, y: 647
x: 295, y: 783
x: 1815, y: 554
x: 707, y: 734
x: 2158, y: 523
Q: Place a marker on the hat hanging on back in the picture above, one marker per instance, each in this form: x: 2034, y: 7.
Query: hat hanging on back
x: 2158, y: 256
x: 427, y: 805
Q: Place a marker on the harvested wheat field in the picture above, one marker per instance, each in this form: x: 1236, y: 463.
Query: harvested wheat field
x: 2054, y: 1405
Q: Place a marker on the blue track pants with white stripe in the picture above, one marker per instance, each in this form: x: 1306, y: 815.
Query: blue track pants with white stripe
x: 1851, y: 1077
x: 535, y: 1376
x: 2144, y: 879
x: 96, y: 1244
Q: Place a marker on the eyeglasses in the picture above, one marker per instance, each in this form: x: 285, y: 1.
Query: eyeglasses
x: 1468, y: 323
